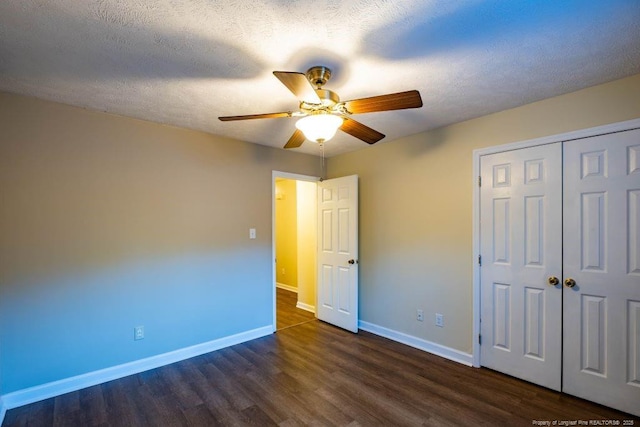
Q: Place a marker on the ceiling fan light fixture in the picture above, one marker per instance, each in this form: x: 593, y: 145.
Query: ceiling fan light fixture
x: 320, y: 126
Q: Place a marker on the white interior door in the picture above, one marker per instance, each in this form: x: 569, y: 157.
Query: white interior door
x: 602, y: 255
x: 521, y: 248
x: 338, y: 252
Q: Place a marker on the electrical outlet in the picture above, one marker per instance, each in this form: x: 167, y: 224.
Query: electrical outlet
x: 420, y: 315
x: 138, y: 333
x: 439, y: 320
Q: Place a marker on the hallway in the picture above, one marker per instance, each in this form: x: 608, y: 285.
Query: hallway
x: 286, y: 311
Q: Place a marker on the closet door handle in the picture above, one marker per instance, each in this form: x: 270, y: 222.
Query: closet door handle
x: 569, y: 282
x: 553, y: 281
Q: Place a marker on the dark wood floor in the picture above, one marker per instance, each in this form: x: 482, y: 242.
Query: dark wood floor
x: 287, y: 314
x: 312, y: 374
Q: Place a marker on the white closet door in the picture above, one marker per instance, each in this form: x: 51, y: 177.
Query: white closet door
x: 601, y: 241
x: 521, y: 247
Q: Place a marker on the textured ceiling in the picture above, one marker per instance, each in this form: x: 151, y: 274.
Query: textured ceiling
x: 185, y: 63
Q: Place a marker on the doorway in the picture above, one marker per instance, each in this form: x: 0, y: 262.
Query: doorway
x: 335, y: 248
x: 295, y: 247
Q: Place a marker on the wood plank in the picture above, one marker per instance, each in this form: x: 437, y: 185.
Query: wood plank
x: 313, y: 374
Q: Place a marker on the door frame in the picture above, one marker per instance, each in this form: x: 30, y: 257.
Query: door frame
x: 477, y: 154
x: 280, y: 175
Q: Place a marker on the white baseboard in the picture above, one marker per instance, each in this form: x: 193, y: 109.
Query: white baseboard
x: 419, y: 343
x: 57, y: 388
x: 306, y: 307
x: 286, y: 287
x: 3, y: 411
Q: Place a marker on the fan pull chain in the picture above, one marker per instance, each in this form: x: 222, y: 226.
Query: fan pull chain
x: 323, y: 171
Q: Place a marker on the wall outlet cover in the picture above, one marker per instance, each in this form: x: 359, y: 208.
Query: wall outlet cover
x: 138, y: 333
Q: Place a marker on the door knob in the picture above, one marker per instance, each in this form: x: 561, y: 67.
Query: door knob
x: 569, y: 282
x: 352, y: 261
x: 553, y: 280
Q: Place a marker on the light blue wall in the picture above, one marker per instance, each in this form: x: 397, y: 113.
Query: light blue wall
x: 63, y: 326
x: 108, y: 223
x: 1, y: 389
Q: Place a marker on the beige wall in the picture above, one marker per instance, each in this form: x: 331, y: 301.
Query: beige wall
x: 416, y: 207
x: 107, y: 223
x: 286, y: 233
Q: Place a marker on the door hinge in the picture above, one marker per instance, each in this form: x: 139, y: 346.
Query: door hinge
x: 479, y: 181
x: 479, y: 339
x: 480, y: 260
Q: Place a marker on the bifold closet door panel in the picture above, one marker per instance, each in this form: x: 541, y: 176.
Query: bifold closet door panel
x: 521, y: 247
x: 601, y: 254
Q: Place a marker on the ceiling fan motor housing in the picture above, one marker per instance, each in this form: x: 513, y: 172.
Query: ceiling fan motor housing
x: 327, y: 98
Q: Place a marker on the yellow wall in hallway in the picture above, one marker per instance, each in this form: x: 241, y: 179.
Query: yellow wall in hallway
x: 286, y: 233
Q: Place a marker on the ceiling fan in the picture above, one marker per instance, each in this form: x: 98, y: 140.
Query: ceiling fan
x: 322, y: 113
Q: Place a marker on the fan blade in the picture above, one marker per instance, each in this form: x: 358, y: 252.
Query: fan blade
x: 296, y: 139
x: 298, y: 84
x: 392, y: 101
x: 256, y: 116
x: 360, y: 131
